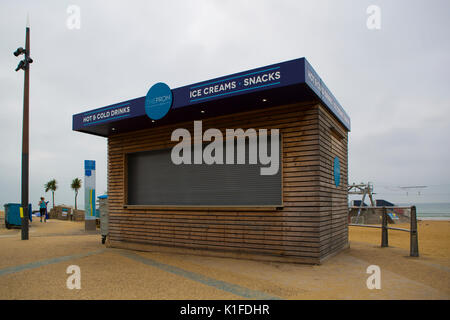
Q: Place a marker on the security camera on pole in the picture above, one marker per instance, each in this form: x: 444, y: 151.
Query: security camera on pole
x: 25, y: 65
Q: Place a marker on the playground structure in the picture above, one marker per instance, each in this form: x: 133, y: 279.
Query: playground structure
x: 364, y: 190
x: 364, y: 214
x: 360, y: 213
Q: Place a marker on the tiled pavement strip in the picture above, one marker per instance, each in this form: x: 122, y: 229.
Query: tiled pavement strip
x: 218, y: 284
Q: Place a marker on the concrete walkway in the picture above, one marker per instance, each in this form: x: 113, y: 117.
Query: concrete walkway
x: 36, y: 269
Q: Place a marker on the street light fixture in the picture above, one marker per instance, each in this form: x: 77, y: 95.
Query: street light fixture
x: 23, y: 64
x: 19, y: 51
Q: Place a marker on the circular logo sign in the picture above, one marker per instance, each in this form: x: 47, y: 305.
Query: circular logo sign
x: 158, y: 101
x: 337, y: 171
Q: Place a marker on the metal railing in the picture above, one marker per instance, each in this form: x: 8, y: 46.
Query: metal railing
x: 414, y: 242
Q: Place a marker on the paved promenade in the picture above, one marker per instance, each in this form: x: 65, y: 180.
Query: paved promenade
x: 36, y: 269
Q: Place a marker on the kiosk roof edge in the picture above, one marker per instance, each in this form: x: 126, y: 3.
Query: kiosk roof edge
x: 286, y: 82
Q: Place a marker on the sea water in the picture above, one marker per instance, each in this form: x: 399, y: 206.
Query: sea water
x: 431, y: 211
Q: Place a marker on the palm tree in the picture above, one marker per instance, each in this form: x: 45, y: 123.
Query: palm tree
x: 52, y: 185
x: 75, y: 185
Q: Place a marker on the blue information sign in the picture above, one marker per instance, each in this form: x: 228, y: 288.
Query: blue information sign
x: 89, y: 189
x: 337, y: 171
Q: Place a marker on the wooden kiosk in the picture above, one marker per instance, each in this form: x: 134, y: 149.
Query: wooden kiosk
x: 298, y: 214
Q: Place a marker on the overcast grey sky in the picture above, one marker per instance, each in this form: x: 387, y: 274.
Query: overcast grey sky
x: 393, y: 82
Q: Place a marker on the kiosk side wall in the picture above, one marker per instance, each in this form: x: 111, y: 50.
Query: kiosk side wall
x: 309, y: 227
x: 333, y: 142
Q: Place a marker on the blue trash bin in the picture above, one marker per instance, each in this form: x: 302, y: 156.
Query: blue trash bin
x: 12, y: 214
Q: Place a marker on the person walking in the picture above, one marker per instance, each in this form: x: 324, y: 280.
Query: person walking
x: 43, y: 209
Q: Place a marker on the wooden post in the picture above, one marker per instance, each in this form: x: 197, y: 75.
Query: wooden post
x: 414, y: 241
x: 384, y: 229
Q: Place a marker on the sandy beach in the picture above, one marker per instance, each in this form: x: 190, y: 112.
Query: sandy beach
x: 120, y: 274
x: 434, y: 238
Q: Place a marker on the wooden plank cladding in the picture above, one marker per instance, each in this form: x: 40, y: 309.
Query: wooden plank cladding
x: 333, y: 143
x: 309, y: 227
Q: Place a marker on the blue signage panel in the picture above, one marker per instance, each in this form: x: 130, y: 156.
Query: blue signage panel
x: 158, y: 101
x: 318, y: 86
x: 264, y: 78
x: 89, y: 164
x: 123, y: 110
x: 337, y: 171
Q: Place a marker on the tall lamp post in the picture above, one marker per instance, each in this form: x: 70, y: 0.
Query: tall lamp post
x: 25, y: 65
